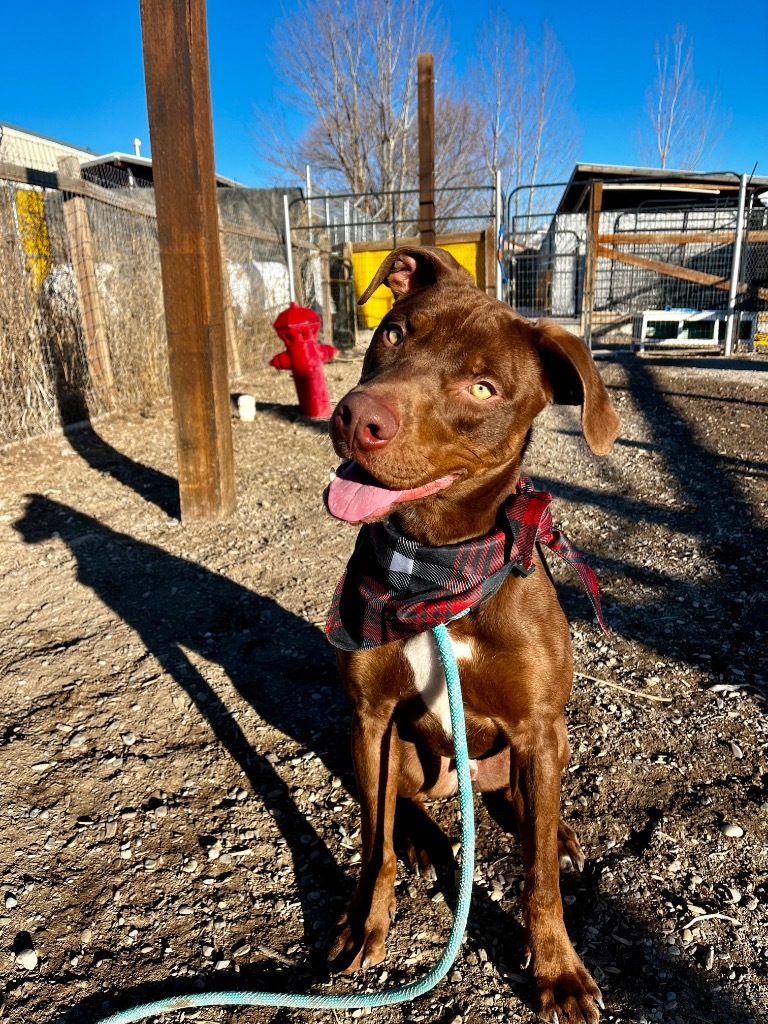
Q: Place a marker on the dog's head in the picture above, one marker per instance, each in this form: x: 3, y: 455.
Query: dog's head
x: 451, y: 383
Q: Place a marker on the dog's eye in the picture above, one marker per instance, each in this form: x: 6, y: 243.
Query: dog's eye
x: 481, y: 390
x: 393, y: 335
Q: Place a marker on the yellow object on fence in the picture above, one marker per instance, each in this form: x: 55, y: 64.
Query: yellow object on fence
x: 33, y: 231
x: 471, y: 255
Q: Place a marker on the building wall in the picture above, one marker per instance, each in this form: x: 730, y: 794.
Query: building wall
x: 36, y: 151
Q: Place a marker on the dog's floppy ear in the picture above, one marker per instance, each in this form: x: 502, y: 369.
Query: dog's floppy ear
x: 415, y: 266
x: 572, y: 379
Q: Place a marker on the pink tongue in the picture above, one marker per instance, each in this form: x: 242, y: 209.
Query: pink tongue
x: 354, y: 495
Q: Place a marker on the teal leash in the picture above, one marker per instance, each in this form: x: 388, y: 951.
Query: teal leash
x: 387, y: 996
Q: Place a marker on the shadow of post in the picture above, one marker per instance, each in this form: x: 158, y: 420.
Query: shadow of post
x: 150, y: 484
x: 190, y: 607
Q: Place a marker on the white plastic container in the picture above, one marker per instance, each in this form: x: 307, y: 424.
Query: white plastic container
x: 246, y: 408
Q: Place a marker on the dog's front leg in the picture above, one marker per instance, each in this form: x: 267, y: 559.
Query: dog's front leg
x: 361, y: 933
x: 564, y: 988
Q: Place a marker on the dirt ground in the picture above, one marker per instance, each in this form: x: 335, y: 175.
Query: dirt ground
x: 178, y: 810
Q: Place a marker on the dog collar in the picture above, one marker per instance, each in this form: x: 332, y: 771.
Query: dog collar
x: 394, y: 588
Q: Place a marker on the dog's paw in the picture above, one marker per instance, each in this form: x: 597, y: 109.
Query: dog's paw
x: 431, y: 860
x: 569, y: 851
x: 359, y: 941
x: 568, y: 997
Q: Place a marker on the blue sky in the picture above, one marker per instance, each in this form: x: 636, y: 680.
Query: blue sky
x: 79, y: 76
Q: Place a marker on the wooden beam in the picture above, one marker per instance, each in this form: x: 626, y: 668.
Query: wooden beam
x: 426, y: 69
x: 593, y: 229
x: 78, y: 229
x: 179, y: 107
x: 233, y: 351
x: 488, y: 245
x: 121, y: 201
x: 66, y: 182
x: 684, y: 273
x: 677, y: 238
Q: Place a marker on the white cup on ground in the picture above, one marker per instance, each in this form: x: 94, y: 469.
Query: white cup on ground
x: 246, y: 408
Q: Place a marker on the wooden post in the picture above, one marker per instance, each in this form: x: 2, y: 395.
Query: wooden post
x: 325, y: 277
x: 84, y: 269
x: 426, y: 65
x: 590, y: 264
x: 179, y: 107
x: 233, y: 351
x: 488, y: 248
x: 346, y: 255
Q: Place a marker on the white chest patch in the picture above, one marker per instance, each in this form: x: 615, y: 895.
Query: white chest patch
x: 428, y: 676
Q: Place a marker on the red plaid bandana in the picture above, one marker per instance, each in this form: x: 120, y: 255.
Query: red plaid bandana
x: 394, y: 588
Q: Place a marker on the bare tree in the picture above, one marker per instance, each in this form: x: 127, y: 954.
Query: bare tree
x: 529, y: 128
x: 684, y: 122
x: 350, y: 68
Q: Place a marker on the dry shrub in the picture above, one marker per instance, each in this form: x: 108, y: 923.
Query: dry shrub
x: 127, y: 262
x: 44, y: 377
x: 43, y: 380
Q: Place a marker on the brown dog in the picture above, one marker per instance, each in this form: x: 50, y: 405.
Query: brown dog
x: 436, y: 431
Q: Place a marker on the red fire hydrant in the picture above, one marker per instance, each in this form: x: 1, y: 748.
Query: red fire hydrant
x: 299, y: 327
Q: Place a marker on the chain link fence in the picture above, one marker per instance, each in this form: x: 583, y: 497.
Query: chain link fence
x: 82, y: 326
x: 659, y: 256
x: 393, y: 217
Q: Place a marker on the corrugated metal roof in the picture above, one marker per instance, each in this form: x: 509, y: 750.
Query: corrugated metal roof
x: 46, y: 138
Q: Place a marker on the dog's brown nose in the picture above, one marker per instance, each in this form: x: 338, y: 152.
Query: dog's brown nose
x: 364, y: 422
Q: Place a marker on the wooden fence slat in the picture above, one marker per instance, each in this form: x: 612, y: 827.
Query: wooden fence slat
x: 78, y: 230
x: 233, y: 351
x: 677, y: 238
x: 593, y: 227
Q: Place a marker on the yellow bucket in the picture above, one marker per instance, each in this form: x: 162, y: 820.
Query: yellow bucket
x: 471, y: 255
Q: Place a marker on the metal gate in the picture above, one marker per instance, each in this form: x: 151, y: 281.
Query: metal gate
x: 600, y: 270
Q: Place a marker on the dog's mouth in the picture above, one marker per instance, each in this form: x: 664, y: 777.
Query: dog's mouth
x: 355, y: 496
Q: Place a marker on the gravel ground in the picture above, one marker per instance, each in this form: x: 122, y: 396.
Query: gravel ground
x: 178, y: 810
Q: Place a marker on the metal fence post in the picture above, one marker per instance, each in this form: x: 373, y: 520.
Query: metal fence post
x: 730, y: 330
x: 309, y: 203
x: 497, y: 234
x: 289, y: 249
x: 324, y: 244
